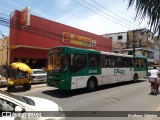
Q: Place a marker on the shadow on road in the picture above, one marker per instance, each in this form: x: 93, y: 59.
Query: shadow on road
x: 69, y: 93
x: 18, y: 90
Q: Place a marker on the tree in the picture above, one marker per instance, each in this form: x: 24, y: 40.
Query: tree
x: 148, y: 9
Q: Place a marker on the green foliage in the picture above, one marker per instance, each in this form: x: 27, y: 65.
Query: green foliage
x: 148, y: 9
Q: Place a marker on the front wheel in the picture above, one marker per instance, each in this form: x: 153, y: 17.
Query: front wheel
x: 91, y: 85
x: 135, y: 78
x: 11, y: 88
x: 26, y: 86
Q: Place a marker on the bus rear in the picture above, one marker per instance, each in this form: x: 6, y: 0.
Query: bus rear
x: 140, y: 67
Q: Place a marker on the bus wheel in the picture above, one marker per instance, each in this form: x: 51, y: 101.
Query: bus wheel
x: 135, y: 78
x: 11, y: 88
x: 91, y: 84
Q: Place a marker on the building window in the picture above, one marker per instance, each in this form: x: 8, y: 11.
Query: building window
x: 120, y: 37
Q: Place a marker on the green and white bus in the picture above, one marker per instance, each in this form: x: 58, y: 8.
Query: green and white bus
x: 72, y: 68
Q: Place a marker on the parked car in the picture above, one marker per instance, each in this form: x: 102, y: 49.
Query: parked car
x: 38, y: 76
x: 3, y: 80
x: 14, y: 107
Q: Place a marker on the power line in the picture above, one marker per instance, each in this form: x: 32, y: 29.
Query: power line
x: 114, y: 13
x: 119, y: 22
x: 38, y: 31
x: 99, y: 14
x: 106, y: 13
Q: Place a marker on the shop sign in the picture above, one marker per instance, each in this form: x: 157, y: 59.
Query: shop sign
x: 25, y: 17
x: 76, y: 40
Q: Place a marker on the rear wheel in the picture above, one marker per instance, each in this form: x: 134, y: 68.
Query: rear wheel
x: 26, y: 86
x: 11, y: 88
x: 91, y: 84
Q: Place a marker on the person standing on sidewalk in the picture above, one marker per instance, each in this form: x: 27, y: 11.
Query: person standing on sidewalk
x: 153, y: 80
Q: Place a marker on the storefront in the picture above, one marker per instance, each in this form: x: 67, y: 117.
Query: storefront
x: 30, y: 43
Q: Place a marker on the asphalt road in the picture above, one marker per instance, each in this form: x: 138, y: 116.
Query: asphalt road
x: 119, y: 98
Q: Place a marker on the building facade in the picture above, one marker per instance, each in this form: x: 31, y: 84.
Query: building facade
x: 30, y: 44
x: 138, y: 42
x: 118, y: 41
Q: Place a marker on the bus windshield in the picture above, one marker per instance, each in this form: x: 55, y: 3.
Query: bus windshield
x: 58, y: 62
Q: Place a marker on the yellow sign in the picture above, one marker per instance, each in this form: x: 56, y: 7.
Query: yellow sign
x: 14, y: 46
x: 76, y: 40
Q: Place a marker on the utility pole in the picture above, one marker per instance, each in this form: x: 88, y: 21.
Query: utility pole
x: 133, y: 42
x: 5, y: 40
x: 7, y: 52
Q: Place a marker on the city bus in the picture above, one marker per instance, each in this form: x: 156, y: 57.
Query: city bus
x: 72, y: 68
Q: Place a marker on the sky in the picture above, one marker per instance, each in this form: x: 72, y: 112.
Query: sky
x: 95, y: 16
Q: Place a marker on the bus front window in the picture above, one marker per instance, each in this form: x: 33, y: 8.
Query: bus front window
x: 58, y: 63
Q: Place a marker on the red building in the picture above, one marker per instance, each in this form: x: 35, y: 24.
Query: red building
x: 30, y: 43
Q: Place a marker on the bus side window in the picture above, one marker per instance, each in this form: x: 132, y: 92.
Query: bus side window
x: 93, y: 60
x: 127, y: 62
x: 103, y: 61
x: 135, y: 63
x: 111, y: 61
x: 119, y: 61
x: 78, y: 62
x: 139, y: 63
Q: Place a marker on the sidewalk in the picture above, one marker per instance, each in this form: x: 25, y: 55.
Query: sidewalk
x: 33, y: 86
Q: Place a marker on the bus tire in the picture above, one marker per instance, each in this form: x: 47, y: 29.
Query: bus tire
x: 91, y: 84
x: 135, y: 78
x: 11, y: 88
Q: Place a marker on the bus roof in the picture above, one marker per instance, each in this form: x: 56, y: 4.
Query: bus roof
x: 117, y: 54
x: 139, y: 56
x: 102, y: 52
x: 68, y: 47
